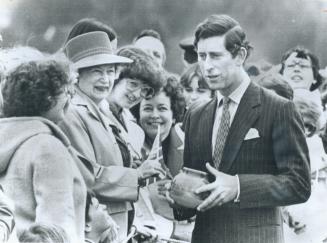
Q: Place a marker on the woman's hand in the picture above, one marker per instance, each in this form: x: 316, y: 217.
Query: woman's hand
x: 163, y: 187
x: 136, y: 163
x: 150, y: 168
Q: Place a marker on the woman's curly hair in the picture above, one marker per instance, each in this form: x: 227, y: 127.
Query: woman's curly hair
x: 32, y: 88
x: 143, y: 67
x: 174, y: 90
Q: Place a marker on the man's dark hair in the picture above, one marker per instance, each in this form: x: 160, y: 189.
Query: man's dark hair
x: 223, y: 25
x: 87, y: 25
x: 148, y: 32
x: 304, y: 53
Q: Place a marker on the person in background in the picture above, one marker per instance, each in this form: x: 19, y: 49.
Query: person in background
x: 323, y: 88
x: 136, y: 81
x: 87, y: 25
x: 98, y: 223
x: 257, y: 68
x: 300, y: 68
x: 7, y: 221
x: 306, y: 222
x: 189, y: 55
x: 44, y: 233
x: 194, y: 85
x: 46, y: 184
x: 91, y: 132
x: 276, y: 82
x: 150, y: 41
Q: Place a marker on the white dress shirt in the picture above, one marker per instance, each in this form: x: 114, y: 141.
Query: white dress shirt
x: 235, y: 99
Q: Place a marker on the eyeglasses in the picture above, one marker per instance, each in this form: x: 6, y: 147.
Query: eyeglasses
x: 301, y: 65
x: 70, y: 91
x: 134, y: 84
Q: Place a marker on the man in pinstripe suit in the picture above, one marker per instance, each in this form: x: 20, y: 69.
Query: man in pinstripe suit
x: 250, y: 140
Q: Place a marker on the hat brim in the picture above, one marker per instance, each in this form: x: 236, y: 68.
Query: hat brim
x: 101, y: 59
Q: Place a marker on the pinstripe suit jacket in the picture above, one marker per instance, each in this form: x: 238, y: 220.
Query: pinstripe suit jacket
x: 273, y: 169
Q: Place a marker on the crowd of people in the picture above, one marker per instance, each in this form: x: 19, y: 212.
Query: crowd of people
x: 92, y: 136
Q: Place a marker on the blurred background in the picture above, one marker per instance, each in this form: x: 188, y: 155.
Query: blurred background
x: 272, y: 26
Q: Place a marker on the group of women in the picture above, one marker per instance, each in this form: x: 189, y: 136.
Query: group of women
x: 76, y: 130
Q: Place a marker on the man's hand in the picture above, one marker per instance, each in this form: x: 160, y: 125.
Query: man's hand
x: 150, y: 168
x: 222, y: 190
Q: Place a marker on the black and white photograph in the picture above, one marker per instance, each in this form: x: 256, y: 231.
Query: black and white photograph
x: 153, y: 121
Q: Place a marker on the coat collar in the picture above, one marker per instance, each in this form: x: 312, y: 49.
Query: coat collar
x: 81, y: 99
x: 247, y: 113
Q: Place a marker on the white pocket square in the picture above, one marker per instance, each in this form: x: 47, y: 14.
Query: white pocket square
x: 252, y: 133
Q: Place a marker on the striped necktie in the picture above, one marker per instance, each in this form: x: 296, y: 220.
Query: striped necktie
x: 222, y: 133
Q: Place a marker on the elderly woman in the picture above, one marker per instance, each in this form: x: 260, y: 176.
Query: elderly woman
x: 38, y: 170
x: 91, y: 132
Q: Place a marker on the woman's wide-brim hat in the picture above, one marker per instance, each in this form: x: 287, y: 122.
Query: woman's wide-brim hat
x: 92, y: 49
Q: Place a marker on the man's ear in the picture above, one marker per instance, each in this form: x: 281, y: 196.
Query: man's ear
x: 241, y: 56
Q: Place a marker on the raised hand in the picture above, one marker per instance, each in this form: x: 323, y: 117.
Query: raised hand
x: 150, y: 168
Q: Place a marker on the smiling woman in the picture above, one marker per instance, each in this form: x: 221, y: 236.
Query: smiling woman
x: 96, y: 82
x: 165, y: 109
x: 95, y: 135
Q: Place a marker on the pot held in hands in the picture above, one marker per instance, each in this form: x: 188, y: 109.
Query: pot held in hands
x: 184, y: 185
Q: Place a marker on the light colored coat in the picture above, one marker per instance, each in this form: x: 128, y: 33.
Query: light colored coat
x: 90, y: 134
x: 40, y: 175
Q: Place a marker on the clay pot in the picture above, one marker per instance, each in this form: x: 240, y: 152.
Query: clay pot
x: 184, y: 184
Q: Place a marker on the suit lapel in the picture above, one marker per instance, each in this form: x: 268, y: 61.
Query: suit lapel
x: 207, y: 120
x: 247, y: 113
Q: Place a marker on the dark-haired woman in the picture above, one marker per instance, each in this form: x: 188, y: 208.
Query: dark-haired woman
x: 195, y: 87
x: 136, y: 81
x: 165, y: 109
x: 38, y: 169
